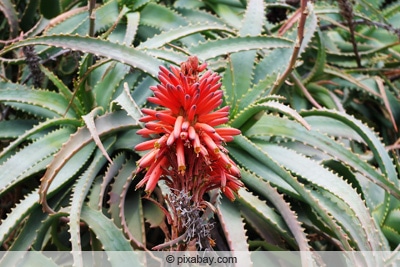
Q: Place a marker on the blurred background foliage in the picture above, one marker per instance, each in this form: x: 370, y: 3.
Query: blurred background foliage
x: 312, y: 85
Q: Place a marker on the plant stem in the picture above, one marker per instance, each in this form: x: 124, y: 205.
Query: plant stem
x: 92, y: 17
x: 300, y: 35
x: 87, y: 92
x: 307, y: 94
x: 346, y: 11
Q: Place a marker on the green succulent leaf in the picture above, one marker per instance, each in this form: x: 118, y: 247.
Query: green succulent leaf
x: 382, y: 157
x: 105, y: 124
x: 305, y: 194
x: 110, y: 236
x: 180, y: 32
x: 244, y: 116
x: 39, y: 102
x: 214, y: 48
x: 118, y: 192
x: 31, y: 132
x: 13, y: 129
x: 133, y: 57
x: 264, y: 219
x: 80, y: 191
x: 37, y: 154
x: 325, y: 181
x: 7, y: 8
x: 233, y: 227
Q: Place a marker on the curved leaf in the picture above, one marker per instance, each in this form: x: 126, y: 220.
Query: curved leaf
x: 32, y: 130
x: 214, y: 48
x: 266, y: 221
x: 382, y: 157
x: 304, y: 193
x: 118, y: 192
x: 31, y: 201
x: 38, y: 102
x: 233, y: 227
x: 269, y: 126
x: 91, y: 126
x: 14, y: 169
x: 111, y: 237
x: 133, y: 57
x: 105, y: 124
x: 7, y: 8
x: 180, y: 32
x: 246, y: 114
x: 369, y: 237
x: 80, y: 191
x: 14, y: 128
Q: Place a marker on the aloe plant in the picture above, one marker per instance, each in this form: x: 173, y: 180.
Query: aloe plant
x: 312, y: 88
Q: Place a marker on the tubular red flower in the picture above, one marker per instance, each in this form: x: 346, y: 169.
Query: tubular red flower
x: 196, y: 144
x: 212, y: 146
x: 227, y: 131
x: 188, y: 150
x: 154, y: 176
x: 147, y: 159
x: 180, y: 156
x: 204, y: 127
x: 164, y: 117
x: 151, y: 115
x: 185, y: 126
x: 223, y: 179
x: 192, y: 112
x: 145, y: 145
x: 171, y: 140
x: 218, y: 121
x: 192, y: 133
x: 213, y: 116
x: 229, y: 194
x: 178, y: 126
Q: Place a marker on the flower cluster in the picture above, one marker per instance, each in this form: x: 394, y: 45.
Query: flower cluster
x: 188, y: 151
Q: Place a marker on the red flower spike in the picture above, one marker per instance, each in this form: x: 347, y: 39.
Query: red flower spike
x: 188, y: 152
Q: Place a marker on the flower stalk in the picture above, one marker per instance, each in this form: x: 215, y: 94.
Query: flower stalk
x: 188, y: 152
